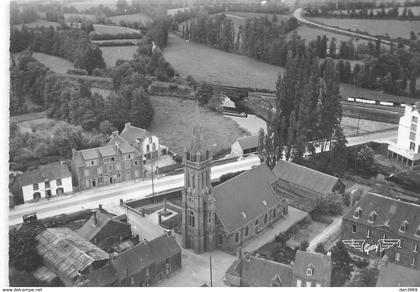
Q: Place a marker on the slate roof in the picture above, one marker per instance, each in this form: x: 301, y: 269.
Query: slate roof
x: 104, y: 276
x: 245, y: 194
x: 260, y: 272
x: 321, y: 263
x: 248, y: 142
x: 106, y: 151
x: 393, y: 275
x: 164, y: 247
x: 68, y: 252
x: 305, y: 177
x: 133, y: 260
x: 388, y: 209
x: 90, y: 229
x: 297, y: 196
x: 130, y: 134
x: 46, y: 172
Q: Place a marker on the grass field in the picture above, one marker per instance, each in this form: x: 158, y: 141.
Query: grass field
x: 365, y: 126
x: 174, y: 119
x: 40, y: 23
x: 112, y: 54
x: 395, y: 28
x: 44, y: 125
x: 131, y: 18
x: 111, y: 29
x: 310, y: 33
x: 56, y: 64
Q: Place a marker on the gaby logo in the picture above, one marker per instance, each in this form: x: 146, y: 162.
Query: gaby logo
x: 363, y: 246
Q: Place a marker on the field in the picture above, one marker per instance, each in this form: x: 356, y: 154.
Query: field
x: 173, y: 123
x: 44, y: 125
x: 394, y: 28
x: 112, y: 54
x: 131, y: 18
x: 111, y: 29
x: 40, y: 23
x: 56, y: 64
x: 310, y: 33
x: 365, y: 126
x: 223, y: 67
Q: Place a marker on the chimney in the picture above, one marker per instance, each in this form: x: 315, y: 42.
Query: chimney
x: 127, y: 125
x: 417, y: 105
x: 164, y: 205
x: 100, y: 207
x: 329, y: 254
x: 73, y: 151
x: 117, y: 144
x: 95, y: 219
x: 115, y: 133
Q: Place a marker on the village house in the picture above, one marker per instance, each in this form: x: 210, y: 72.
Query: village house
x: 147, y: 144
x: 106, y: 165
x: 308, y: 270
x: 105, y: 230
x: 245, y: 145
x: 390, y: 227
x: 302, y: 186
x: 233, y: 212
x: 406, y: 149
x: 392, y: 275
x: 44, y: 182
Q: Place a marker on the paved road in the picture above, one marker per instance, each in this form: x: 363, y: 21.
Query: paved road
x: 298, y: 15
x: 109, y: 196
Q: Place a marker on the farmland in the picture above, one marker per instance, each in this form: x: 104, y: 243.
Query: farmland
x: 111, y: 29
x: 173, y: 122
x: 112, y: 54
x: 394, y: 28
x: 56, y: 64
x: 131, y: 18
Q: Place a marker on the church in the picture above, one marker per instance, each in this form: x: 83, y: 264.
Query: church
x: 228, y: 215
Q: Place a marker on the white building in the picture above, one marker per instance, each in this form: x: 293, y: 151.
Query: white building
x: 407, y: 147
x: 245, y: 145
x: 44, y: 182
x: 140, y: 139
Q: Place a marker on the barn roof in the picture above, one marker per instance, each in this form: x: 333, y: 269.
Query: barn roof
x: 248, y: 142
x: 305, y: 177
x: 68, y: 252
x: 245, y: 197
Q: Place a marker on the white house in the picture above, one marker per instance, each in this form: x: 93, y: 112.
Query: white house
x: 44, y: 182
x: 407, y: 147
x: 245, y: 145
x: 140, y: 139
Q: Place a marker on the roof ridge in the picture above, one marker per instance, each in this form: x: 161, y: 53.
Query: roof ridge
x: 237, y: 176
x: 393, y: 199
x: 311, y: 169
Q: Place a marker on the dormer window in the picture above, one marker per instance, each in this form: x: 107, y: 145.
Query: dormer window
x: 310, y: 271
x: 404, y: 226
x: 372, y: 217
x: 418, y: 231
x: 358, y: 213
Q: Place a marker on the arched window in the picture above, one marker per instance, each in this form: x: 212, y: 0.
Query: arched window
x: 191, y: 219
x: 193, y: 181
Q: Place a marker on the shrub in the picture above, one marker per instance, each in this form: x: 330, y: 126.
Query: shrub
x: 77, y: 71
x: 320, y: 248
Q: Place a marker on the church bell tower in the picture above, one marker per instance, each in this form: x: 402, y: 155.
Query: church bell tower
x: 198, y: 203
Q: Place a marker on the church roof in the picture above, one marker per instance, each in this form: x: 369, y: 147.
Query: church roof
x: 245, y: 197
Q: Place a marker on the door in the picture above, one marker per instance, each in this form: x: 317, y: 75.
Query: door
x: 48, y: 194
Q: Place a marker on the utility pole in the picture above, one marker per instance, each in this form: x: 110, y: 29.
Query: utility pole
x: 211, y: 275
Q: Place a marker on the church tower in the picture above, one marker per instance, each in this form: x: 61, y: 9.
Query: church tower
x: 198, y: 203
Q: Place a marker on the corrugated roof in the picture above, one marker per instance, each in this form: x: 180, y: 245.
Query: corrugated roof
x: 248, y: 142
x: 130, y: 134
x: 249, y: 193
x: 260, y: 272
x: 305, y: 177
x: 68, y: 252
x: 388, y: 209
x: 46, y: 172
x: 164, y: 247
x: 322, y: 265
x: 393, y: 275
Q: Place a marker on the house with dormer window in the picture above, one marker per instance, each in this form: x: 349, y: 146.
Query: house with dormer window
x: 394, y: 223
x: 311, y: 269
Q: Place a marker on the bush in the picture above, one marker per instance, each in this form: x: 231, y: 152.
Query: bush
x: 77, y: 71
x: 282, y: 238
x: 320, y: 248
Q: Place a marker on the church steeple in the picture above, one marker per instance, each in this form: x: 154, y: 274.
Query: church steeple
x: 196, y: 141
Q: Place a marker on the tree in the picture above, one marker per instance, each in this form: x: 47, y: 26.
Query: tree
x: 367, y: 277
x: 329, y: 205
x: 320, y: 248
x: 23, y: 254
x: 341, y: 265
x: 122, y: 5
x: 66, y: 138
x: 106, y: 128
x: 304, y: 245
x: 365, y: 157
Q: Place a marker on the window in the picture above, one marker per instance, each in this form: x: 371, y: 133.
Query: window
x: 193, y: 181
x: 147, y: 148
x: 100, y: 179
x: 58, y: 182
x: 358, y: 213
x: 372, y: 217
x: 47, y: 184
x: 412, y: 136
x: 256, y: 222
x: 236, y: 236
x: 413, y: 261
x: 86, y: 172
x: 110, y: 167
x: 403, y: 226
x: 92, y: 162
x: 354, y: 228
x: 154, y: 146
x: 220, y: 239
x: 209, y: 215
x: 274, y: 213
x: 191, y: 219
x: 246, y: 230
x: 414, y: 119
x: 147, y: 272
x: 285, y: 211
x: 368, y: 233
x: 397, y: 256
x: 413, y: 127
x: 265, y: 218
x: 418, y: 231
x: 136, y: 162
x: 36, y: 187
x: 309, y: 271
x: 112, y: 159
x: 132, y: 280
x: 415, y: 247
x: 412, y: 146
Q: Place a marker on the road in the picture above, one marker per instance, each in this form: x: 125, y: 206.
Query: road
x: 298, y: 15
x: 331, y: 229
x: 109, y: 196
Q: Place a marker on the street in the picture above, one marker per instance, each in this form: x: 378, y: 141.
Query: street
x: 109, y: 196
